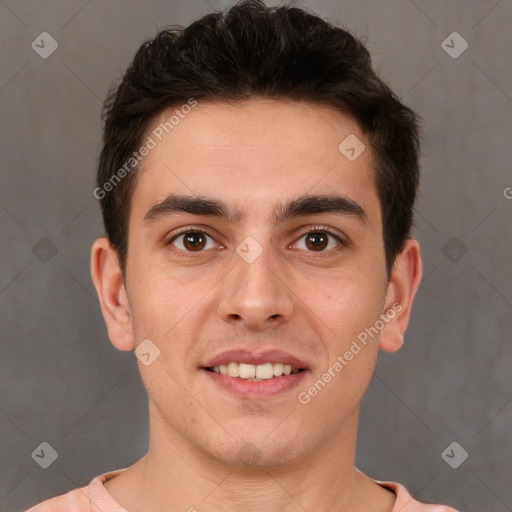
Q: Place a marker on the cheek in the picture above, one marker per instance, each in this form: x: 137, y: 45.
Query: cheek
x: 351, y: 304
x: 340, y: 383
x: 169, y: 311
x: 161, y: 300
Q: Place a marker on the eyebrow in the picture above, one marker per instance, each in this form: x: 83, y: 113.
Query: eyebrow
x: 304, y: 205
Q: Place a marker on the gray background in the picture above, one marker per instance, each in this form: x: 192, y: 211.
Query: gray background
x: 62, y: 382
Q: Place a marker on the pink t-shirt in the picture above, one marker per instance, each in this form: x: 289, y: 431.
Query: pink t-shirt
x: 95, y: 498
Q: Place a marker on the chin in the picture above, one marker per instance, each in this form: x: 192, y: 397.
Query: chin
x: 257, y: 453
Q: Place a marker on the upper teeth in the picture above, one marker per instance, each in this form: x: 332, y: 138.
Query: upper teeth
x: 251, y: 371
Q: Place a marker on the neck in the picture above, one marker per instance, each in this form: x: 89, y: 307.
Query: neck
x: 174, y: 471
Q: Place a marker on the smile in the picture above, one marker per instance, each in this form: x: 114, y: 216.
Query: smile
x: 254, y: 372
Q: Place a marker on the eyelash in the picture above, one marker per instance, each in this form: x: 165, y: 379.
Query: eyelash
x: 309, y: 230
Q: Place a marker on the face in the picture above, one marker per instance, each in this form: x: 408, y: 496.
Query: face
x: 232, y: 260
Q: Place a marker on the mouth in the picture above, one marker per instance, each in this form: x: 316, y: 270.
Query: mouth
x: 253, y: 372
x: 255, y: 376
x: 261, y: 381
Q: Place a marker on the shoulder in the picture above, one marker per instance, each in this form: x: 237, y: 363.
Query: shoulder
x: 76, y: 500
x: 83, y: 499
x: 406, y: 503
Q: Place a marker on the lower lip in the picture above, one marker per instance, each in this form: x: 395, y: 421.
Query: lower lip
x: 256, y: 388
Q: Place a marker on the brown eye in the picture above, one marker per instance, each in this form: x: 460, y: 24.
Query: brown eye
x: 192, y: 241
x: 316, y: 241
x: 319, y: 241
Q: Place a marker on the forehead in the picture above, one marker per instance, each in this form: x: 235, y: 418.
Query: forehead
x: 254, y: 152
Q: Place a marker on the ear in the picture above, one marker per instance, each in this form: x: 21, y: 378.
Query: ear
x: 404, y: 282
x: 109, y: 283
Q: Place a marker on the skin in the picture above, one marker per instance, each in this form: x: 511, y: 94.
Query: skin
x: 253, y: 155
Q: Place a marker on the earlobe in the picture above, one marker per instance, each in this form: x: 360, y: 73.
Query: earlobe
x: 403, y: 284
x: 108, y: 281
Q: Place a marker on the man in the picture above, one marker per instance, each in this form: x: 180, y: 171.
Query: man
x: 257, y: 183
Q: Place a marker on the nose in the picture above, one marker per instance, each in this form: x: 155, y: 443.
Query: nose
x: 256, y: 294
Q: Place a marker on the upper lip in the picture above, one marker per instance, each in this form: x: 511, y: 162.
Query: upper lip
x: 255, y: 358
